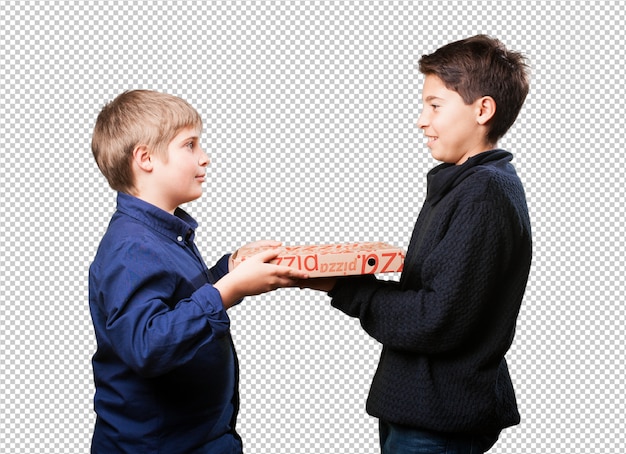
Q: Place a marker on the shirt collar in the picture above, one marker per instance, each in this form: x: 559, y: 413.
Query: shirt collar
x: 179, y: 227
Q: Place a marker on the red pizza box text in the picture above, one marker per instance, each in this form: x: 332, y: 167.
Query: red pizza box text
x: 342, y: 259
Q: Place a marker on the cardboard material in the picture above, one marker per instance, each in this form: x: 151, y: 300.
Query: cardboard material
x: 342, y: 259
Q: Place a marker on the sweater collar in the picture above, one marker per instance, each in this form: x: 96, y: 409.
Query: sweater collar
x: 443, y: 178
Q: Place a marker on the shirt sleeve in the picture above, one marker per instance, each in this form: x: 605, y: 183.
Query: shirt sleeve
x: 457, y: 282
x: 149, y: 329
x: 220, y: 269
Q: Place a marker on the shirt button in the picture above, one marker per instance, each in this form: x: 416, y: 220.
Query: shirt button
x: 179, y: 238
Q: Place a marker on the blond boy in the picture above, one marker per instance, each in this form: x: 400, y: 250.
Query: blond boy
x: 165, y: 369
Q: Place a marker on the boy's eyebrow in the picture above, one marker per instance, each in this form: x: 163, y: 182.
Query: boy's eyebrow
x: 432, y: 98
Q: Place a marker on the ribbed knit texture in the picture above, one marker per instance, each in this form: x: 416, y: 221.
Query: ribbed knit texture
x: 446, y: 326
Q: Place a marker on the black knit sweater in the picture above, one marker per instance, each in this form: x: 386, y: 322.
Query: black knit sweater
x: 446, y: 326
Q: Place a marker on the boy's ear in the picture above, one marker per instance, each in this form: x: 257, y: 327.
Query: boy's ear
x: 142, y: 158
x: 486, y: 109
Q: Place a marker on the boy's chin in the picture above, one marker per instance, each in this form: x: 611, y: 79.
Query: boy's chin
x: 192, y: 198
x: 438, y: 156
x: 446, y: 158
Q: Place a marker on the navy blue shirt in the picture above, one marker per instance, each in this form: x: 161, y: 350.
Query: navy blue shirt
x: 165, y: 369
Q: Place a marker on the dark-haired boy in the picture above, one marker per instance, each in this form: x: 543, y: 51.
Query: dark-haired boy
x: 442, y: 383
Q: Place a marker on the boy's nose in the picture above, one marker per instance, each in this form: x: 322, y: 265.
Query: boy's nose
x: 421, y: 121
x: 204, y: 159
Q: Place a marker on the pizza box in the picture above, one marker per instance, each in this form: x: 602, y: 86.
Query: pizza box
x: 340, y: 259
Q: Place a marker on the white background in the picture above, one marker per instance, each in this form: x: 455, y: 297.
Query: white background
x: 310, y: 113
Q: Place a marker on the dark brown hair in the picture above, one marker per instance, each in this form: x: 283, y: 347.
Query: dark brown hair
x: 481, y: 66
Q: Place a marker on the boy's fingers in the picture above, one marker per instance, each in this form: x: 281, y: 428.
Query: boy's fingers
x: 289, y: 277
x: 296, y: 274
x: 266, y: 256
x: 290, y: 272
x: 291, y: 282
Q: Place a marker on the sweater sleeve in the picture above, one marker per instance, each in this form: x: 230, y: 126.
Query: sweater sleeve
x: 450, y: 304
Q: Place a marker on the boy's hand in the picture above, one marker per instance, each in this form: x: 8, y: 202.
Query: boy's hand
x: 255, y: 276
x: 260, y: 243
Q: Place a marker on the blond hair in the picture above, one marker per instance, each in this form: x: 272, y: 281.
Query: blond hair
x: 134, y: 118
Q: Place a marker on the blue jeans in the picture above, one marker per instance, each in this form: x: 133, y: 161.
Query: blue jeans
x: 395, y: 439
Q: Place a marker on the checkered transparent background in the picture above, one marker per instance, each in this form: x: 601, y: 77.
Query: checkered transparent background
x: 310, y: 111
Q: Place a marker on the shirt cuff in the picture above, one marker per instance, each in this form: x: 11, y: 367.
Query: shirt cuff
x: 209, y: 299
